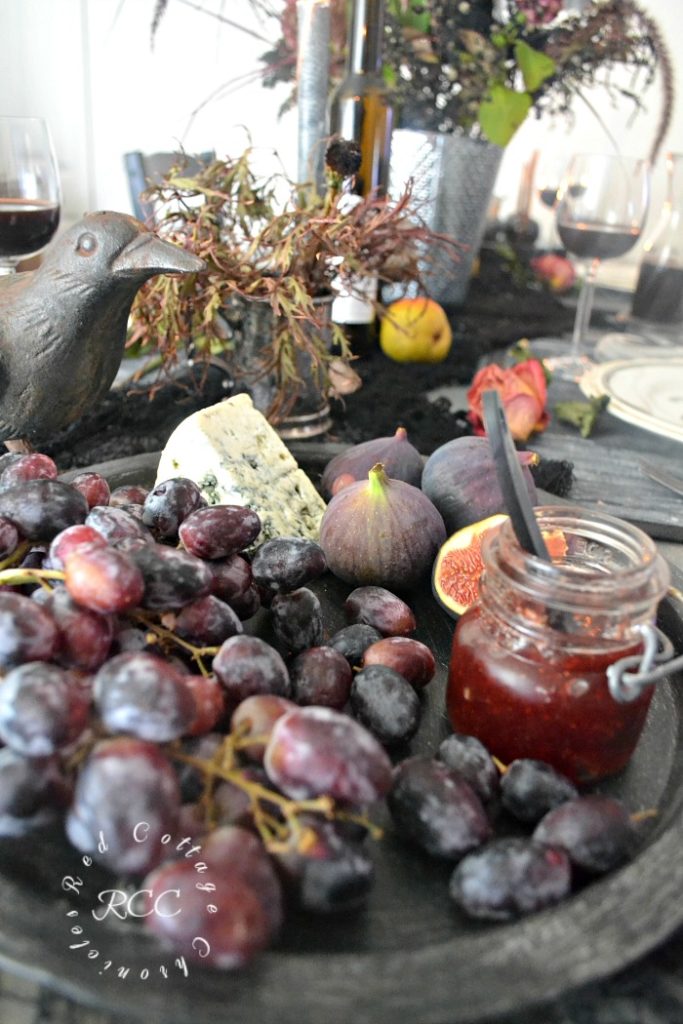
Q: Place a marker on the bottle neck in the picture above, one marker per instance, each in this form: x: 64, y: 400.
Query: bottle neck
x: 365, y: 40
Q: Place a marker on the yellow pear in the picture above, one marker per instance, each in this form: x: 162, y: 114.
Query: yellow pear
x: 415, y: 331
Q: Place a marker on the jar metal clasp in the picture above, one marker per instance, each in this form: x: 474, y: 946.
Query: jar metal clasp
x: 654, y: 664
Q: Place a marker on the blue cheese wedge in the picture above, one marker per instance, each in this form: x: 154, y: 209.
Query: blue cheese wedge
x: 236, y: 458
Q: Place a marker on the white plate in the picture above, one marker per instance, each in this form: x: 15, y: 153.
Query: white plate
x: 645, y: 392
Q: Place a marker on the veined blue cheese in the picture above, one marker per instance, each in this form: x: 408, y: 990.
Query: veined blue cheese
x: 236, y: 458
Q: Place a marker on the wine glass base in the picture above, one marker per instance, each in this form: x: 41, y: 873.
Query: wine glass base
x: 562, y: 364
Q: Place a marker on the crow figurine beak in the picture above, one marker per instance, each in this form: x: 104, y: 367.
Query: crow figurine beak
x: 147, y: 254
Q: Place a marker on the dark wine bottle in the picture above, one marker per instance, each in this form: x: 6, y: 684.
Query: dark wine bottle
x: 361, y: 110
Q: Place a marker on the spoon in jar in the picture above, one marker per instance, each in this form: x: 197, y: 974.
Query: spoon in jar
x: 517, y: 502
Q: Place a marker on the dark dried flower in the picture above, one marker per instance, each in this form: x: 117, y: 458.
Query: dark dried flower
x: 343, y: 157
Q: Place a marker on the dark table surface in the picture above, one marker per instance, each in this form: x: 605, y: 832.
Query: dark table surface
x: 649, y: 991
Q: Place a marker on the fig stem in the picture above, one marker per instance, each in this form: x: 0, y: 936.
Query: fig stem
x: 378, y: 480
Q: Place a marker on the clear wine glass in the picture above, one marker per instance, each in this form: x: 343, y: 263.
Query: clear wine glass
x: 29, y: 190
x: 602, y: 205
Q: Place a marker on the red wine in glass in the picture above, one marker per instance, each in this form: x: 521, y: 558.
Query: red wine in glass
x: 597, y: 241
x: 601, y: 208
x: 29, y: 189
x: 26, y: 227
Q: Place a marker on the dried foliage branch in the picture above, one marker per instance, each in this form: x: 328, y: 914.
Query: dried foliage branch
x: 259, y: 249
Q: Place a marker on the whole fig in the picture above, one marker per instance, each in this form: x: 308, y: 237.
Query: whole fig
x: 460, y: 480
x: 381, y: 531
x: 400, y: 459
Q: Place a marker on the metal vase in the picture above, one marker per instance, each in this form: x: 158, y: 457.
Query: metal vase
x: 307, y: 411
x: 453, y: 178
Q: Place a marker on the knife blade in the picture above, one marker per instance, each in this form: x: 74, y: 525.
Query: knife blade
x: 663, y: 476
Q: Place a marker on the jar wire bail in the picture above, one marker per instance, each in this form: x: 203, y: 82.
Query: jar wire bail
x: 654, y: 664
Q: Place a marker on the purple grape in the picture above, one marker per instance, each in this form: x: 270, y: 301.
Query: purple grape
x: 247, y: 604
x: 377, y: 607
x: 68, y: 540
x: 42, y: 709
x: 231, y: 578
x: 207, y: 622
x: 529, y: 789
x: 93, y: 487
x: 27, y: 633
x: 435, y: 807
x: 287, y: 563
x: 209, y: 700
x: 145, y: 696
x: 32, y: 792
x: 235, y: 850
x: 315, y: 751
x: 469, y: 756
x: 103, y: 580
x: 386, y: 704
x: 127, y: 796
x: 332, y: 875
x: 228, y: 937
x: 41, y: 509
x: 510, y: 877
x: 321, y: 676
x: 256, y: 716
x: 202, y: 748
x: 247, y: 665
x: 219, y: 531
x: 297, y: 620
x: 9, y: 538
x: 353, y: 641
x: 130, y: 494
x: 169, y: 504
x: 115, y: 524
x: 85, y: 638
x: 132, y: 639
x: 172, y: 578
x: 410, y: 658
x: 596, y: 832
x: 33, y: 466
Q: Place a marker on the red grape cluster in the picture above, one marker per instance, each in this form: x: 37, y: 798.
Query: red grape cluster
x: 133, y: 696
x: 134, y: 704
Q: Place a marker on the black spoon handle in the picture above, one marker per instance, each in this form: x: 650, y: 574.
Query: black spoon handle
x: 515, y: 494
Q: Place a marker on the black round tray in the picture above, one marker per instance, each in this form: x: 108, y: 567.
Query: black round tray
x: 409, y: 954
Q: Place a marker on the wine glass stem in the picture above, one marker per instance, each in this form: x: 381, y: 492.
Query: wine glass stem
x: 584, y: 309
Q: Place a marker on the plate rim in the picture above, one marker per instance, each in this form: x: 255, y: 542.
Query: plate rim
x: 595, y: 383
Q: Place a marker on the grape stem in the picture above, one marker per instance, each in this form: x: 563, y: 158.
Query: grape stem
x: 197, y: 653
x: 260, y: 795
x: 18, y: 577
x: 16, y: 555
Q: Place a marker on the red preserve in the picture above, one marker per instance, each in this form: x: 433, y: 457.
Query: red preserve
x: 528, y: 667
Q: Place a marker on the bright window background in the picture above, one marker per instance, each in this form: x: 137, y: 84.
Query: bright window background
x: 88, y: 68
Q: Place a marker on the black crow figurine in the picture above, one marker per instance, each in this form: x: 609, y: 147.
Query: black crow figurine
x: 63, y: 326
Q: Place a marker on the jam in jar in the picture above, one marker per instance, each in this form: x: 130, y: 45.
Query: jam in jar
x: 528, y: 667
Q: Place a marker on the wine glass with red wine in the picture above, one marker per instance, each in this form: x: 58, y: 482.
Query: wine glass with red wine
x: 602, y: 203
x: 29, y: 190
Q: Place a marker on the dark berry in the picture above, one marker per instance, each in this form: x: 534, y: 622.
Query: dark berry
x: 471, y: 758
x: 510, y: 877
x: 529, y: 789
x: 596, y: 831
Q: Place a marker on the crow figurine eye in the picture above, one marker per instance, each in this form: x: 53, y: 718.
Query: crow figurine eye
x: 87, y: 244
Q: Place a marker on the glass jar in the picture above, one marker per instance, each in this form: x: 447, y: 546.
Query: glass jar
x: 658, y: 297
x: 528, y: 667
